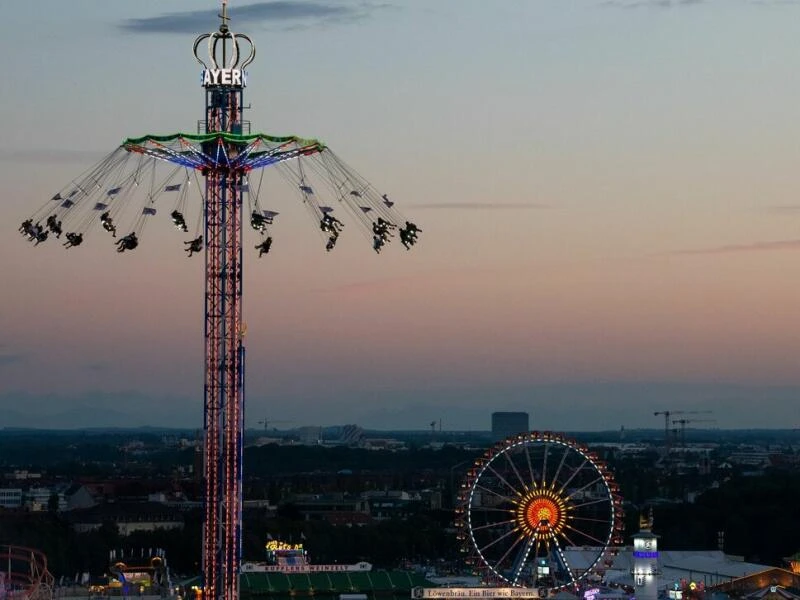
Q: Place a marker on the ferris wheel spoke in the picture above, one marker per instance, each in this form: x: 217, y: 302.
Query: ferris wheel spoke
x: 571, y: 477
x: 598, y: 501
x: 490, y: 509
x: 544, y: 465
x: 566, y: 537
x: 588, y: 485
x: 503, y: 479
x: 500, y: 539
x: 485, y: 489
x: 516, y: 471
x: 560, y: 465
x: 589, y: 519
x: 584, y: 534
x: 564, y: 562
x: 530, y: 467
x: 493, y: 524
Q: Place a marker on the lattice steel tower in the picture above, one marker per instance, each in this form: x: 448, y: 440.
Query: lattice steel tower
x: 224, y: 79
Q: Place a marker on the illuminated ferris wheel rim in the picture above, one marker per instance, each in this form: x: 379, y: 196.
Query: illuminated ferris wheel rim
x: 541, y: 514
x: 522, y: 439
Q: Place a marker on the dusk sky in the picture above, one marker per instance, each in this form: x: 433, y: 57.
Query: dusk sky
x: 609, y: 193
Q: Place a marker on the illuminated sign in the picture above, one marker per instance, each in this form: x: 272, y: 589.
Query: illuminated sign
x: 477, y: 592
x: 644, y: 554
x: 306, y: 568
x: 231, y: 77
x: 275, y: 545
x: 644, y: 544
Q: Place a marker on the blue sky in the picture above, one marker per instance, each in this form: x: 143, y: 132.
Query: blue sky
x: 608, y: 191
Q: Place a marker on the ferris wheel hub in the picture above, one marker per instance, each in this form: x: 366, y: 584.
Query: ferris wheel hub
x: 541, y: 514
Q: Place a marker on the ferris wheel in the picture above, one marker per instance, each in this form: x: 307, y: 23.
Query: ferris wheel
x: 538, y: 510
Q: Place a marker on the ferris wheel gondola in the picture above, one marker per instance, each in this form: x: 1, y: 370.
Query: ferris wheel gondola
x: 530, y: 499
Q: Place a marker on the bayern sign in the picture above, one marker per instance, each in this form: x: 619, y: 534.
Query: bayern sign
x: 230, y: 77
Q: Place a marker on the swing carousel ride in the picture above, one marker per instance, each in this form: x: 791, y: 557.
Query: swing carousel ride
x: 147, y: 176
x: 209, y: 185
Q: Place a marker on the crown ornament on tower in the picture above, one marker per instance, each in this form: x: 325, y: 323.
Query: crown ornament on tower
x: 224, y: 66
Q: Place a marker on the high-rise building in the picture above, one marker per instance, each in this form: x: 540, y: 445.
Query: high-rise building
x: 505, y: 424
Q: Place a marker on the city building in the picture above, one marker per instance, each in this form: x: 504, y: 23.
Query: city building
x: 705, y: 568
x: 10, y: 497
x: 78, y: 496
x: 309, y: 435
x: 126, y: 516
x: 38, y: 499
x: 506, y: 424
x: 336, y: 508
x: 771, y: 583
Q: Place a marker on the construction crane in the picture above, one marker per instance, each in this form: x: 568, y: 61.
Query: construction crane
x: 667, y: 414
x: 684, y: 422
x: 267, y: 422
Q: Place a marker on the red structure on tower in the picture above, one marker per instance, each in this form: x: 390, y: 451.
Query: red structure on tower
x: 224, y: 79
